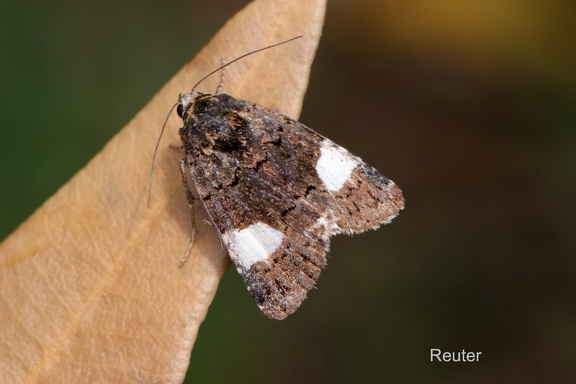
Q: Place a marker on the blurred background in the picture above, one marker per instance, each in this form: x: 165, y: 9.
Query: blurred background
x: 469, y: 106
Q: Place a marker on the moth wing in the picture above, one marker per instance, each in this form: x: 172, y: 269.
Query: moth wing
x: 278, y: 268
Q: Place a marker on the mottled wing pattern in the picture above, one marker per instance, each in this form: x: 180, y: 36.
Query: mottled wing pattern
x: 276, y: 191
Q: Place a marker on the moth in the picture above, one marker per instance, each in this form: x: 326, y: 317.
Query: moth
x: 276, y: 191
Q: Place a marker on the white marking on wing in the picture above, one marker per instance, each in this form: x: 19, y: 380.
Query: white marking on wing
x: 335, y: 165
x: 252, y: 244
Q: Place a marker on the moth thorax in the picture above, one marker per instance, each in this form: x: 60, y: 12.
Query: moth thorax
x: 229, y: 135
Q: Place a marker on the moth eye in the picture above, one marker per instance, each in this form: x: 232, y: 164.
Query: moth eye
x: 180, y: 110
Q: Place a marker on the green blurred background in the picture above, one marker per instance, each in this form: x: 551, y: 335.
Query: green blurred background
x: 469, y: 106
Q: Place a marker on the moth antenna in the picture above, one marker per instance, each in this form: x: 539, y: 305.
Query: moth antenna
x: 151, y: 176
x: 241, y: 57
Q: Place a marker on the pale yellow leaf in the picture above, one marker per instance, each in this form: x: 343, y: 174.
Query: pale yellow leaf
x: 91, y: 289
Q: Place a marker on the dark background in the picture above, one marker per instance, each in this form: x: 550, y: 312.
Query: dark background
x: 469, y: 106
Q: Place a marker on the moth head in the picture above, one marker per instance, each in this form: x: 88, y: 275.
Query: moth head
x: 185, y: 102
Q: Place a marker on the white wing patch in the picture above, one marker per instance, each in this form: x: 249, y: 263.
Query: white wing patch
x: 252, y: 244
x: 335, y: 165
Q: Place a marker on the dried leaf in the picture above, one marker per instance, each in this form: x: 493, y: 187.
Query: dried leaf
x: 91, y: 290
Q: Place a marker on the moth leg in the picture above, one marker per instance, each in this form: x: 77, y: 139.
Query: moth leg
x: 190, y: 198
x: 219, y: 87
